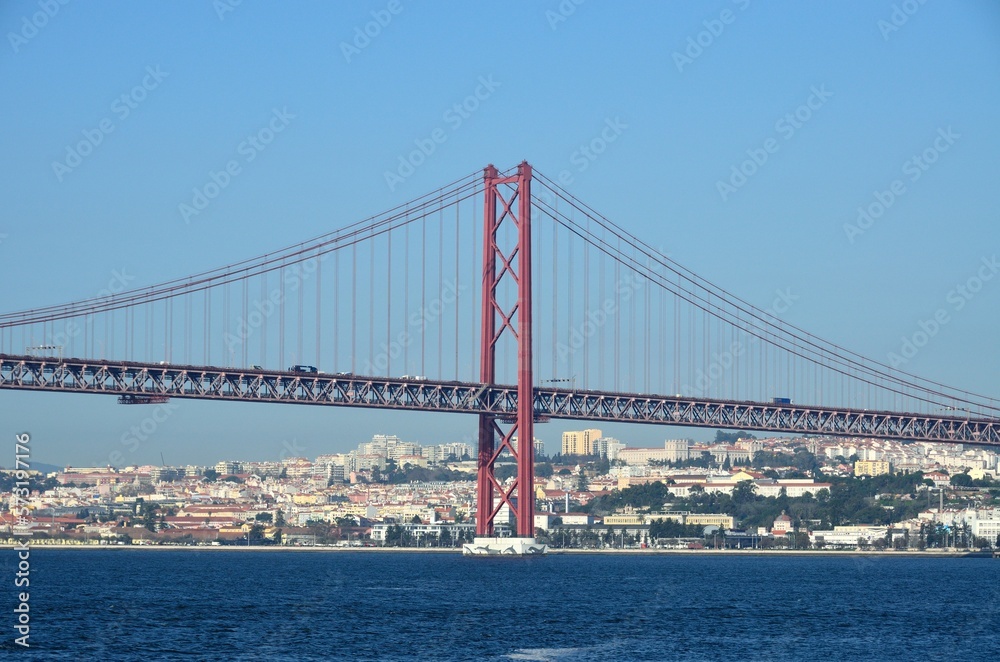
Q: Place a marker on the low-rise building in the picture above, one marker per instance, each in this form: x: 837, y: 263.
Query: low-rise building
x: 627, y: 518
x: 847, y: 536
x: 711, y: 519
x: 782, y: 525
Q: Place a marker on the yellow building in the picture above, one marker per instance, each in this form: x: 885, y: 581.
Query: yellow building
x: 620, y: 519
x: 871, y: 468
x: 627, y: 518
x: 580, y: 442
x: 722, y: 521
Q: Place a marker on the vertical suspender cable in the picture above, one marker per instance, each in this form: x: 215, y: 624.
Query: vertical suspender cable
x: 584, y: 328
x: 571, y: 283
x: 601, y: 345
x: 388, y: 304
x: 704, y: 349
x: 555, y: 294
x: 168, y: 336
x: 354, y: 307
x: 475, y: 250
x: 371, y: 304
x: 423, y: 294
x: 244, y: 328
x: 281, y: 318
x: 187, y: 328
x: 440, y: 288
x: 677, y: 340
x: 226, y: 355
x: 300, y: 330
x: 616, y: 344
x: 458, y: 287
x: 263, y: 326
x: 406, y: 291
x: 631, y: 338
x: 319, y: 307
x: 647, y: 360
x: 336, y: 309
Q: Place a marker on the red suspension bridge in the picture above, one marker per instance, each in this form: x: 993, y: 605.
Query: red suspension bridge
x: 458, y: 301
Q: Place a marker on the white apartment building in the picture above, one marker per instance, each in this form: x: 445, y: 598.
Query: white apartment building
x: 608, y: 447
x: 228, y: 467
x: 987, y: 528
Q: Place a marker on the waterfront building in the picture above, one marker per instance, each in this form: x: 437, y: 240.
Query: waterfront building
x: 848, y: 536
x: 711, y: 519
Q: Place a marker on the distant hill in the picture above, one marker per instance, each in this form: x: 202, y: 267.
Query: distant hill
x: 44, y: 468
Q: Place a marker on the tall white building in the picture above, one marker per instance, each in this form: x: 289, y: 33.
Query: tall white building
x: 537, y: 445
x: 446, y: 452
x: 608, y: 447
x: 388, y: 446
x: 228, y: 467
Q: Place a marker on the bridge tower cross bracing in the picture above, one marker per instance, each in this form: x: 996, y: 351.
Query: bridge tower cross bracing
x: 502, y: 319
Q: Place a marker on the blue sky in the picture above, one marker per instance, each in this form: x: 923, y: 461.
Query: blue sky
x: 886, y: 82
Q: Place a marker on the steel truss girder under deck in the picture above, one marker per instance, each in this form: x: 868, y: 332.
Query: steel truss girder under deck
x: 214, y: 383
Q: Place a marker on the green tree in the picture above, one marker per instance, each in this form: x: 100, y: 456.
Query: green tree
x: 731, y: 437
x: 745, y: 492
x: 210, y: 475
x: 961, y: 480
x: 805, y: 461
x: 602, y: 467
x: 263, y: 517
x: 649, y: 496
x: 148, y: 516
x: 504, y: 471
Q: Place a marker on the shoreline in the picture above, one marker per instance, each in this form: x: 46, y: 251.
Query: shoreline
x: 570, y: 552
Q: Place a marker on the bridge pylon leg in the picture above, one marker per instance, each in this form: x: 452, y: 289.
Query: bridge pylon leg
x: 507, y: 201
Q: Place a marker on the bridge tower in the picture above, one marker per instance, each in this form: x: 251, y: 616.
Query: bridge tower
x: 507, y: 201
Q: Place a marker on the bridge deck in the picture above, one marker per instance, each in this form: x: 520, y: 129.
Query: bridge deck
x: 215, y: 383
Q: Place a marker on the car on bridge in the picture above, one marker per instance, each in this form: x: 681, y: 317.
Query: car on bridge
x: 309, y: 369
